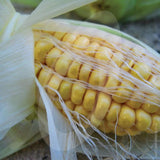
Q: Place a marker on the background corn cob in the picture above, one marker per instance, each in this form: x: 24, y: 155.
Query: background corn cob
x: 109, y: 11
x: 105, y: 11
x: 82, y: 85
x: 27, y: 3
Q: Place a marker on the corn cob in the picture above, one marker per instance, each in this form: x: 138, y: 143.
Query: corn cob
x: 56, y: 68
x: 109, y: 11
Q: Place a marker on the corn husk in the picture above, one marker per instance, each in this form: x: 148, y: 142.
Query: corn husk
x: 65, y: 139
x: 17, y: 86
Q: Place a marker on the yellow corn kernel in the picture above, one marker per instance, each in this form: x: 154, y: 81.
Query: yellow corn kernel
x: 158, y: 112
x: 112, y: 81
x: 37, y: 35
x: 133, y: 131
x: 44, y: 76
x: 84, y: 72
x: 104, y: 127
x: 69, y: 105
x: 77, y: 93
x: 150, y: 108
x: 53, y: 56
x: 119, y: 131
x: 65, y: 90
x: 116, y: 129
x: 112, y: 84
x: 143, y: 120
x: 97, y: 78
x: 124, y: 92
x: 103, y: 53
x: 102, y: 106
x: 141, y: 70
x: 57, y: 104
x: 62, y: 64
x: 81, y: 42
x: 59, y: 35
x: 113, y: 112
x: 127, y: 65
x: 54, y: 83
x: 118, y: 58
x: 42, y: 47
x: 73, y: 71
x: 133, y: 103
x: 126, y: 117
x: 89, y: 100
x: 91, y: 49
x: 70, y: 38
x: 111, y: 125
x: 96, y: 122
x: 155, y: 127
x: 81, y: 110
x: 37, y: 68
x: 155, y: 80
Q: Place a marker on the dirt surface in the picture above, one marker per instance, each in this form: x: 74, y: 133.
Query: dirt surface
x: 147, y: 31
